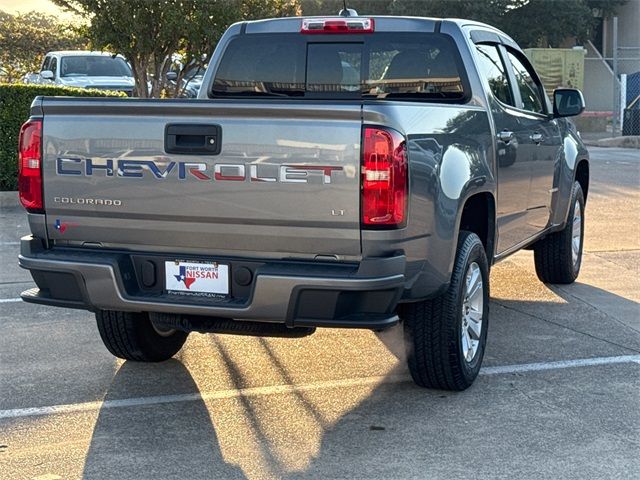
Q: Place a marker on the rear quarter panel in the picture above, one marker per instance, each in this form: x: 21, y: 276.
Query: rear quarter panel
x: 450, y: 150
x: 451, y: 157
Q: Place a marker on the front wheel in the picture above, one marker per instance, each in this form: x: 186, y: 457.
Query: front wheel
x: 447, y: 335
x: 133, y: 336
x: 558, y: 256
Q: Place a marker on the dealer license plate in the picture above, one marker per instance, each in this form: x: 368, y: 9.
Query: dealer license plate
x: 195, y: 277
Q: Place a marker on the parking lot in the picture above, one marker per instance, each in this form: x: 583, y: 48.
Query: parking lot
x: 558, y: 397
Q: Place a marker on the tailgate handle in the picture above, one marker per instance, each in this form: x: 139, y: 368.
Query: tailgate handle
x: 193, y: 139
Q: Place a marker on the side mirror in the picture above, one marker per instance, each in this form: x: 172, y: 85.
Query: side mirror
x: 47, y: 75
x: 172, y: 76
x: 567, y: 102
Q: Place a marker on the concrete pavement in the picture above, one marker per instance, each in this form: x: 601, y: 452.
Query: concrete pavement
x: 338, y: 404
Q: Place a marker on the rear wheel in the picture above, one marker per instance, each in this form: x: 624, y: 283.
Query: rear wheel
x: 447, y: 335
x: 133, y: 336
x: 558, y: 256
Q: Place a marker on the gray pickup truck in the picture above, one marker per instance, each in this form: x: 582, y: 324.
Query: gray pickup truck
x: 344, y: 171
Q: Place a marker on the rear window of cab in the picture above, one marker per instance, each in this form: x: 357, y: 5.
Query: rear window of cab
x: 376, y: 66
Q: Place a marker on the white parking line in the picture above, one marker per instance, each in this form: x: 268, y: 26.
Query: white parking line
x: 285, y: 389
x: 10, y: 300
x: 538, y: 367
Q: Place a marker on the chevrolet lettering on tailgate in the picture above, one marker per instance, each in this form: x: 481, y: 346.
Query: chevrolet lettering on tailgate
x: 200, y: 171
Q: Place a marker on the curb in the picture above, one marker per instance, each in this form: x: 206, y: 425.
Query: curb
x: 9, y: 200
x: 631, y: 141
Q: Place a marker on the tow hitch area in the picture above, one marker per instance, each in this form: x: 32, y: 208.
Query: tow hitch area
x: 193, y: 323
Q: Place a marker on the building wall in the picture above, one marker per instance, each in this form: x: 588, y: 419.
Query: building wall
x: 598, y: 73
x: 628, y: 36
x: 598, y: 82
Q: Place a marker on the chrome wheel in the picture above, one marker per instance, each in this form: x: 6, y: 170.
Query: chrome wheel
x: 576, y: 235
x: 472, y: 308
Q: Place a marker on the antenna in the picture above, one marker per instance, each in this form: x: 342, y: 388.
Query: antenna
x: 347, y: 12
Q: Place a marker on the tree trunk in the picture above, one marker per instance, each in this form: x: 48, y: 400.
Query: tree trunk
x: 161, y: 66
x: 140, y: 76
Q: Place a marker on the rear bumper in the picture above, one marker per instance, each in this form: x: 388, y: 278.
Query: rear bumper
x: 356, y: 295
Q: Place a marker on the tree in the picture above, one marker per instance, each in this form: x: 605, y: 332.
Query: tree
x: 547, y: 23
x: 146, y: 32
x: 200, y: 39
x: 532, y: 23
x: 150, y: 32
x: 26, y: 38
x: 489, y: 11
x: 480, y: 10
x: 364, y: 7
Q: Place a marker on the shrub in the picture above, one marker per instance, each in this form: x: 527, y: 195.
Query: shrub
x: 15, y: 103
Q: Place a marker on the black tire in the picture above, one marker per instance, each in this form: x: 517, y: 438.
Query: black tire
x: 433, y: 328
x: 553, y: 254
x: 132, y: 336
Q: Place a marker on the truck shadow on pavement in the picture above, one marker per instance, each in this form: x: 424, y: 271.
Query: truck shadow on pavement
x: 585, y: 321
x: 382, y: 429
x: 504, y: 422
x: 174, y: 440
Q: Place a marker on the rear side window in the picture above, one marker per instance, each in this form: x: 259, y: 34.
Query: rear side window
x: 492, y: 68
x: 380, y: 66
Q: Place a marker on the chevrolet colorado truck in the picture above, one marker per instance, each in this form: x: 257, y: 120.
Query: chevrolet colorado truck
x: 345, y: 171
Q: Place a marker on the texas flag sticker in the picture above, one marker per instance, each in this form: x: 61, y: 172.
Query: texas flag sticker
x: 197, y: 277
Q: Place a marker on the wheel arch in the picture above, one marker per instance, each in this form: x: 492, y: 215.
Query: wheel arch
x: 582, y: 176
x: 478, y: 215
x: 579, y: 173
x: 572, y: 167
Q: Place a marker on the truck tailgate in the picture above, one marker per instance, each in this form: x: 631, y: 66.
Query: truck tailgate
x: 285, y: 182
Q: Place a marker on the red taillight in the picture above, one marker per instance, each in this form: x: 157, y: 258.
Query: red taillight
x: 337, y: 25
x: 30, y: 166
x: 384, y: 178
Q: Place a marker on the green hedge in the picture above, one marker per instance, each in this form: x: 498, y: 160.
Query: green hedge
x: 15, y: 100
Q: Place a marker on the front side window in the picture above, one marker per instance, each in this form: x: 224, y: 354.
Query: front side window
x: 45, y: 64
x: 492, y: 68
x: 529, y: 89
x: 53, y: 66
x: 411, y: 66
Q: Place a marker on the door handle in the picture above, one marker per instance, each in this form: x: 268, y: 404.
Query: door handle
x: 193, y: 139
x: 505, y: 136
x: 537, y: 137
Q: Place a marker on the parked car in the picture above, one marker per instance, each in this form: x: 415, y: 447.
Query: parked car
x: 339, y: 172
x: 84, y: 69
x: 190, y: 83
